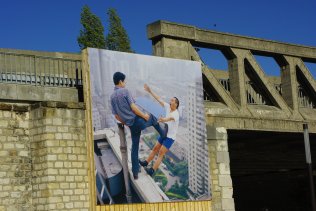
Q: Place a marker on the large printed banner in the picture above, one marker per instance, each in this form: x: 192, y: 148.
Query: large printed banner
x: 166, y: 163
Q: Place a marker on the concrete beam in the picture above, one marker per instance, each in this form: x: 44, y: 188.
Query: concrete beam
x: 289, y: 83
x: 262, y: 124
x: 219, y: 40
x: 59, y: 55
x: 222, y: 93
x: 22, y: 92
x: 220, y: 90
x: 236, y: 72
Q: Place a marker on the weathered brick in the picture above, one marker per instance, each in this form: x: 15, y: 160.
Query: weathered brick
x: 70, y: 178
x: 72, y: 157
x: 24, y: 153
x: 58, y: 136
x: 4, y: 123
x: 68, y: 192
x: 60, y: 206
x: 4, y: 153
x: 51, y: 157
x: 67, y: 136
x: 59, y: 164
x: 69, y: 205
x: 8, y: 146
x: 224, y: 168
x: 77, y: 164
x: 78, y: 204
x: 24, y: 124
x: 60, y: 179
x: 62, y: 129
x: 57, y: 121
x: 7, y: 114
x: 82, y: 171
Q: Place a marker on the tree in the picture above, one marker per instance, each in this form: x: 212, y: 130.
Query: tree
x: 179, y: 189
x: 117, y: 38
x: 92, y: 33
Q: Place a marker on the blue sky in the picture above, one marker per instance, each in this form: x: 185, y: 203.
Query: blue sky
x: 54, y: 25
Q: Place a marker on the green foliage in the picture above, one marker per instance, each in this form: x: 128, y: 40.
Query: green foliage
x: 179, y: 189
x: 175, y: 196
x: 159, y: 176
x: 117, y: 38
x: 92, y: 33
x: 179, y: 169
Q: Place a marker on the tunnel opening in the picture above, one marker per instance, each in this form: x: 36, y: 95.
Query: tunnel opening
x: 269, y: 170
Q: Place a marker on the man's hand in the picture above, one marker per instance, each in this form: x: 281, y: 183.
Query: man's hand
x: 161, y: 119
x: 146, y: 117
x: 118, y: 118
x: 147, y: 89
x: 138, y: 112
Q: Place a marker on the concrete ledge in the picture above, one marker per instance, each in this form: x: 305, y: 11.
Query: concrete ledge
x: 27, y: 107
x: 265, y: 111
x: 262, y: 117
x: 68, y: 105
x: 14, y: 107
x: 217, y: 108
x: 24, y: 92
x: 248, y: 123
x: 308, y: 113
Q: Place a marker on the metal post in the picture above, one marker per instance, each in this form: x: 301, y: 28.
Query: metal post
x: 309, y: 165
x: 123, y: 148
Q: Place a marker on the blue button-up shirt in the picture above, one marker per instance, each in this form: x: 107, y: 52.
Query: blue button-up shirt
x: 121, y: 101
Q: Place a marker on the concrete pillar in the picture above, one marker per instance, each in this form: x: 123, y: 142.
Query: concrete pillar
x: 221, y: 182
x: 166, y: 47
x: 289, y: 84
x: 236, y: 70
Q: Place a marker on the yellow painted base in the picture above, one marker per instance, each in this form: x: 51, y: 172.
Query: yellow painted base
x: 165, y: 206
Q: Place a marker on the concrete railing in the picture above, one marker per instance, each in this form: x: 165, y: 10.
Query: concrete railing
x: 255, y: 98
x: 32, y: 68
x: 304, y: 100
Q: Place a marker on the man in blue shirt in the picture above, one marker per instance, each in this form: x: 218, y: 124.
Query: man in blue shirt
x: 127, y: 112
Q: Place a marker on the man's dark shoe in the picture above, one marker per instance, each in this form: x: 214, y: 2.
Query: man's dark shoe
x: 150, y: 171
x: 135, y: 176
x: 143, y: 163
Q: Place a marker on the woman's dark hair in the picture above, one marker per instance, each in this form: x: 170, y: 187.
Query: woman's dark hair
x: 117, y: 77
x: 177, y: 101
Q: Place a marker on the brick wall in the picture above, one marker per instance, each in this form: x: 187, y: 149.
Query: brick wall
x: 43, y: 157
x: 15, y: 160
x: 221, y: 182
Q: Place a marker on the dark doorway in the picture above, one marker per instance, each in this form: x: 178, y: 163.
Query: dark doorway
x: 269, y: 171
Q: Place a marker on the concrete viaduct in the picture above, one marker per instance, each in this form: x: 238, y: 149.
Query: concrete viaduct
x: 254, y: 121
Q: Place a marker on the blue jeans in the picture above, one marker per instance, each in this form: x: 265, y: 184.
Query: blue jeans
x: 136, y: 129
